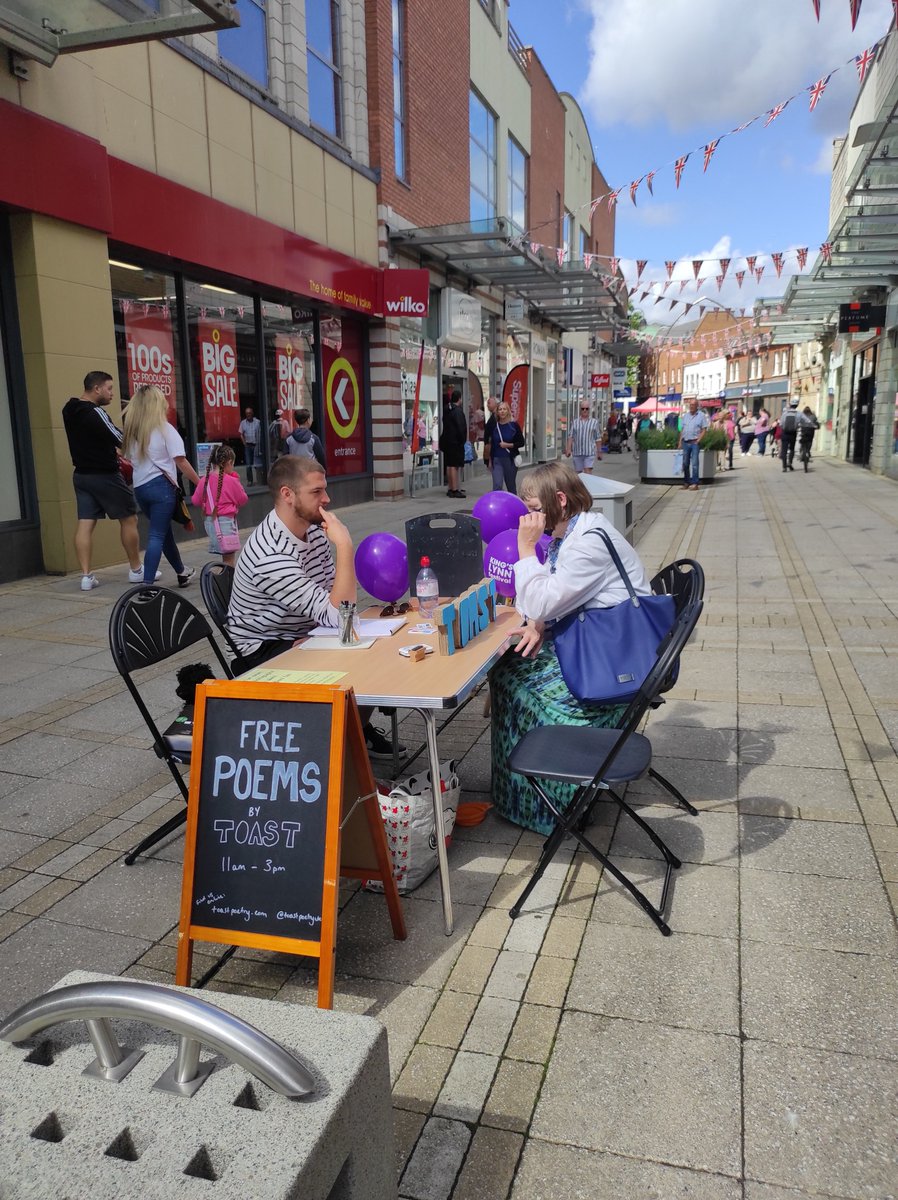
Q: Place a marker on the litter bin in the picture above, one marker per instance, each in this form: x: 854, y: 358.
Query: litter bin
x: 613, y: 500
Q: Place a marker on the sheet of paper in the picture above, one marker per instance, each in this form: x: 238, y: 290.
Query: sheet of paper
x: 366, y: 627
x: 273, y: 675
x: 334, y: 643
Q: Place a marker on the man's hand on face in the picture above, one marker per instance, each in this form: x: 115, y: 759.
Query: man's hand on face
x: 334, y: 529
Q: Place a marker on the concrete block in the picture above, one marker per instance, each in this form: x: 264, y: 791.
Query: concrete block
x: 65, y: 1133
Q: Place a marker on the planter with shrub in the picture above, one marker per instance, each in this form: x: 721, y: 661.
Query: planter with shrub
x: 658, y: 455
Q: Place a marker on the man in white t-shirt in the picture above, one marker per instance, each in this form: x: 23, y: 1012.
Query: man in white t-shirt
x: 251, y: 436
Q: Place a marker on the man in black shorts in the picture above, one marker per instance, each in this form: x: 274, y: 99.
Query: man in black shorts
x: 100, y: 490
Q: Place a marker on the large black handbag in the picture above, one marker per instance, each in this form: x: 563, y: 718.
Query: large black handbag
x: 605, y: 654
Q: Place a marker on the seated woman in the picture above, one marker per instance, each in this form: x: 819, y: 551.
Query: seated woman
x: 527, y: 687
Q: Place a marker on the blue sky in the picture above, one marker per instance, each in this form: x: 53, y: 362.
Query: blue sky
x: 658, y: 78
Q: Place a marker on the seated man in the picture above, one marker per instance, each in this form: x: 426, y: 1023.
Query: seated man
x: 286, y: 580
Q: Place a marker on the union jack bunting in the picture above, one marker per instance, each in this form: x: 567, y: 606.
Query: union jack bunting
x: 634, y: 187
x: 816, y: 4
x: 651, y: 175
x: 759, y: 273
x: 612, y: 199
x: 683, y: 283
x: 670, y: 266
x: 777, y: 264
x: 701, y: 309
x: 724, y: 267
x: 802, y: 256
x: 587, y: 261
x: 592, y: 208
x: 559, y: 255
x: 819, y: 88
x: 667, y: 283
x: 697, y: 266
x: 863, y: 61
x: 674, y: 303
x: 827, y: 251
x: 774, y: 113
x: 709, y: 152
x: 615, y: 263
x: 642, y: 263
x: 745, y: 124
x: 740, y: 275
x: 688, y: 306
x: 750, y: 263
x: 535, y: 247
x: 855, y: 9
x: 719, y: 279
x: 678, y: 168
x: 698, y: 283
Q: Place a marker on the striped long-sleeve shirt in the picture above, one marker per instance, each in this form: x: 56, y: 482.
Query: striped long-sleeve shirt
x: 584, y: 435
x: 281, y: 586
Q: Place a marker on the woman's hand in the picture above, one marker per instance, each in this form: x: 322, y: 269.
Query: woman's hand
x: 531, y: 640
x: 530, y: 529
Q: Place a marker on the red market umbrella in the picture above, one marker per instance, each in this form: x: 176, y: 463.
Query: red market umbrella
x: 653, y: 405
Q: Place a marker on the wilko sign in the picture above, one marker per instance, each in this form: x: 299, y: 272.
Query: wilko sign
x: 290, y: 370
x: 150, y: 354
x: 514, y: 392
x: 603, y: 379
x: 406, y: 293
x: 218, y: 375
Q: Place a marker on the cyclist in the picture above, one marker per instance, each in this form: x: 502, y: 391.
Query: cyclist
x: 807, y: 427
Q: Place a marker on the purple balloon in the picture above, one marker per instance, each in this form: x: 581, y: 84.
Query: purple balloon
x: 542, y: 547
x: 381, y: 566
x: 499, y: 557
x: 498, y: 511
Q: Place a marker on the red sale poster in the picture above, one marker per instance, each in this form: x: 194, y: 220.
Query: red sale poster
x: 288, y: 363
x: 218, y: 378
x: 514, y: 392
x: 344, y: 411
x: 149, y: 351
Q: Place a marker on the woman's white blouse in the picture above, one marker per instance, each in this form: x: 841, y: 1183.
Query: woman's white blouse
x: 165, y: 445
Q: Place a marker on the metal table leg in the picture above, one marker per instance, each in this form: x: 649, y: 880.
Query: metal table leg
x: 430, y: 727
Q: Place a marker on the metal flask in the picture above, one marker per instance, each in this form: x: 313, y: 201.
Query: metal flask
x: 347, y: 623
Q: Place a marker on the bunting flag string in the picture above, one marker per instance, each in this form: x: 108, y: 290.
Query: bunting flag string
x: 719, y: 279
x: 855, y: 9
x: 642, y: 263
x: 777, y: 264
x: 740, y: 275
x: 802, y: 254
x: 816, y: 4
x: 670, y: 264
x: 724, y: 267
x: 861, y: 62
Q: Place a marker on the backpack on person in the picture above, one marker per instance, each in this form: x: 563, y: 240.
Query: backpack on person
x: 789, y: 422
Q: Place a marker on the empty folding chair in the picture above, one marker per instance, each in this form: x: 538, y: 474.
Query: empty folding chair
x: 147, y: 626
x: 216, y: 582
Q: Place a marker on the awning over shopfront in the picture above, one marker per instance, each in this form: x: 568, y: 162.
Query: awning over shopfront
x: 493, y: 254
x: 55, y: 27
x: 654, y: 404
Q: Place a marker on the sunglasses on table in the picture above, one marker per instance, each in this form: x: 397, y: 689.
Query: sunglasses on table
x: 396, y: 610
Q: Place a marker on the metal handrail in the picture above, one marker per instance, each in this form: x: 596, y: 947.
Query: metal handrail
x: 196, y: 1021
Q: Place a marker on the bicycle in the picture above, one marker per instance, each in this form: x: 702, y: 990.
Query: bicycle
x: 804, y: 452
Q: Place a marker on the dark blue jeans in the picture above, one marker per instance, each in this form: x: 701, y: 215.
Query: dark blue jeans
x: 504, y: 471
x: 157, y: 502
x: 690, y: 462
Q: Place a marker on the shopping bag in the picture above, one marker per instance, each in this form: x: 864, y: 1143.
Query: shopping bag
x: 407, y: 811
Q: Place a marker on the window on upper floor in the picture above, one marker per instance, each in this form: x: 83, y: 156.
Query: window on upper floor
x: 246, y: 47
x: 584, y: 243
x: 323, y: 62
x: 482, y: 136
x: 400, y: 111
x: 517, y: 184
x: 785, y: 362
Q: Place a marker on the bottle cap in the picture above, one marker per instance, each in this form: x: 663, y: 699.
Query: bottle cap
x: 425, y: 561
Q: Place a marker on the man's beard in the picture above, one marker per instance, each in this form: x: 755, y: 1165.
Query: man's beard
x: 312, y: 516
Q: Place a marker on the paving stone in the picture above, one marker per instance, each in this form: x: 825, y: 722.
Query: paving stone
x: 763, y: 1191
x: 806, y: 847
x: 807, y: 792
x: 489, y: 1166
x: 491, y: 930
x: 527, y: 932
x: 822, y: 999
x: 606, y: 1075
x: 534, y: 1033
x: 439, y: 1154
x: 472, y: 969
x: 702, y: 899
x: 557, y: 1172
x: 422, y: 1077
x: 140, y: 901
x: 449, y: 1020
x: 475, y: 867
x: 509, y: 976
x: 563, y: 937
x: 52, y: 891
x: 466, y: 1086
x: 549, y: 981
x: 683, y: 980
x: 45, y: 807
x: 819, y: 1121
x: 490, y: 1025
x: 699, y: 781
x: 112, y: 769
x: 816, y: 913
x: 513, y: 1095
x: 13, y: 846
x: 20, y: 891
x: 61, y: 863
x: 10, y: 922
x: 407, y: 1128
x: 711, y: 837
x: 42, y: 951
x: 39, y: 754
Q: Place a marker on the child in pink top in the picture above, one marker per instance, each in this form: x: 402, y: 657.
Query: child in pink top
x: 221, y: 494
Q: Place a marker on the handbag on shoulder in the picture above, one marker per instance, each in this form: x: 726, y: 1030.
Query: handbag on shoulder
x: 605, y: 654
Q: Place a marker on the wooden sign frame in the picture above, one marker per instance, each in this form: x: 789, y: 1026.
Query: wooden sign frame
x: 355, y: 843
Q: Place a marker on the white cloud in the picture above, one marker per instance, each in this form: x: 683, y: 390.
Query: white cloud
x: 718, y: 60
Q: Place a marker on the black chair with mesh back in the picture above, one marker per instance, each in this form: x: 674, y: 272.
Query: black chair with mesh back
x: 599, y: 761
x: 216, y: 581
x: 452, y: 543
x: 149, y: 625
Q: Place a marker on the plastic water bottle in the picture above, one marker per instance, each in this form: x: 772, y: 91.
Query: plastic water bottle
x: 427, y: 589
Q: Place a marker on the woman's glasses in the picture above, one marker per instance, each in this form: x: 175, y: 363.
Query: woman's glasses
x: 396, y: 610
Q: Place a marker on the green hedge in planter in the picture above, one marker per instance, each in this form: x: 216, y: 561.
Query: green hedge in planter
x: 667, y: 439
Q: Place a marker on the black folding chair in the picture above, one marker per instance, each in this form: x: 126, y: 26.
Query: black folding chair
x: 600, y: 760
x: 452, y: 543
x: 147, y: 626
x: 216, y: 582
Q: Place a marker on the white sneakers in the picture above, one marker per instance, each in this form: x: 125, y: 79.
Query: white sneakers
x: 89, y: 582
x: 137, y: 576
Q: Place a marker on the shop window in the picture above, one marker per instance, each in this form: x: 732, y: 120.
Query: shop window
x: 224, y: 364
x: 400, y: 146
x: 568, y: 234
x: 482, y: 132
x: 417, y: 347
x: 291, y: 384
x: 323, y: 62
x: 246, y: 47
x: 144, y: 306
x: 517, y: 185
x: 344, y: 388
x: 10, y: 498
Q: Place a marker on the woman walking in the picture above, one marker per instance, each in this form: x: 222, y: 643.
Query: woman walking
x: 746, y: 427
x: 156, y: 450
x: 506, y: 440
x: 762, y: 428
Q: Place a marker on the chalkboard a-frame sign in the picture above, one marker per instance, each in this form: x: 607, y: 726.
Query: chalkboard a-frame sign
x: 282, y: 803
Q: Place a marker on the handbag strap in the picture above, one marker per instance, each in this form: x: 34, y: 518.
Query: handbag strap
x: 616, y: 559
